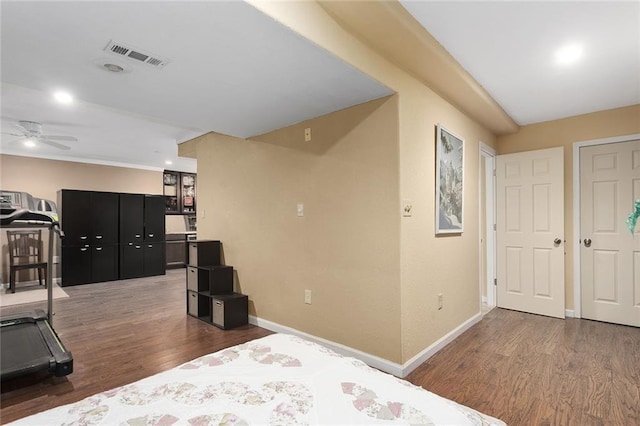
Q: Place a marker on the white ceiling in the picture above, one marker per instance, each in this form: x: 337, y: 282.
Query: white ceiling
x: 232, y: 70
x: 509, y: 47
x: 236, y: 71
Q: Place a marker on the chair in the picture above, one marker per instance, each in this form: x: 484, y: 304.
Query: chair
x: 25, y: 252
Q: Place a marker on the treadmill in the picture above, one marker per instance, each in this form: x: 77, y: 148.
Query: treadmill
x: 28, y: 342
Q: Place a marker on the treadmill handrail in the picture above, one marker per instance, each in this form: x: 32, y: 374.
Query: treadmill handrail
x: 24, y: 218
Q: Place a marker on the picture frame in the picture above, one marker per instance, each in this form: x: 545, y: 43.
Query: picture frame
x: 449, y: 182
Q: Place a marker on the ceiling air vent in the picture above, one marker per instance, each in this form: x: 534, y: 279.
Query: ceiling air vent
x: 136, y: 54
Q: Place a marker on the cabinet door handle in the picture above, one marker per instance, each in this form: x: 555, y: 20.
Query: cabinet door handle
x: 83, y: 249
x: 138, y: 247
x: 130, y: 244
x: 137, y: 235
x: 98, y: 237
x: 98, y: 248
x: 150, y: 235
x: 83, y: 237
x: 150, y: 246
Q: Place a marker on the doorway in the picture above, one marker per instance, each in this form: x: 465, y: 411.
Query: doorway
x: 487, y: 229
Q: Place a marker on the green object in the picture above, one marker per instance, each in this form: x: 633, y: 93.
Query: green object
x: 633, y: 217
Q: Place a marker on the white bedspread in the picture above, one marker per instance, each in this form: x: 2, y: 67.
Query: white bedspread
x: 278, y: 379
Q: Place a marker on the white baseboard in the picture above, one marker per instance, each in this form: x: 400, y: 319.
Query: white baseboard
x: 430, y: 351
x: 372, y: 360
x: 568, y: 313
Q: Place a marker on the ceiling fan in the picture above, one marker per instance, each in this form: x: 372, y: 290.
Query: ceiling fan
x: 31, y: 134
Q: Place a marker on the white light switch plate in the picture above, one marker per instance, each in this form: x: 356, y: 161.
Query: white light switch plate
x: 407, y: 208
x: 300, y: 210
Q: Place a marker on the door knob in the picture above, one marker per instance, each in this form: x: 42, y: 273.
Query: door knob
x: 557, y: 241
x: 587, y: 242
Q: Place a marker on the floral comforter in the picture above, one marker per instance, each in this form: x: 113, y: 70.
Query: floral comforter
x: 279, y: 379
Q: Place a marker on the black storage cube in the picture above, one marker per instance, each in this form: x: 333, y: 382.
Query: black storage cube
x: 198, y: 306
x: 229, y: 310
x: 204, y: 253
x: 220, y: 280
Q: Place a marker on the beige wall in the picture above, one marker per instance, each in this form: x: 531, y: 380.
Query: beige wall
x: 346, y: 247
x: 566, y: 132
x: 427, y: 265
x: 44, y: 178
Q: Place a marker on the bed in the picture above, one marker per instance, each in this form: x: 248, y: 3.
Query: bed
x: 278, y: 379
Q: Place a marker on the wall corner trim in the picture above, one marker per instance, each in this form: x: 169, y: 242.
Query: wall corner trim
x: 431, y: 350
x: 372, y: 360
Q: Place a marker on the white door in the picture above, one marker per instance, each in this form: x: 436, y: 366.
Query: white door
x: 530, y: 231
x: 610, y: 253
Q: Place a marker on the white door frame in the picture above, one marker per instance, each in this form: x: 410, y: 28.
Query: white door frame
x: 577, y: 283
x: 488, y: 155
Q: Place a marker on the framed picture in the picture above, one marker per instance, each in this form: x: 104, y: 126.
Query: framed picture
x: 449, y: 182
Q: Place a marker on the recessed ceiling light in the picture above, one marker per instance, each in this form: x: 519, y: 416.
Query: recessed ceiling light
x: 568, y: 54
x: 63, y: 97
x: 113, y: 67
x: 29, y: 143
x: 168, y: 162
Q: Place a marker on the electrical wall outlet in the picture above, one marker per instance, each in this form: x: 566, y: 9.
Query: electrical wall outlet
x: 307, y: 297
x: 440, y: 301
x: 307, y: 134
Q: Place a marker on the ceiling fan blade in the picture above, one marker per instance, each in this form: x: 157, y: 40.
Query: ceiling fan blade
x: 12, y: 134
x: 59, y: 138
x: 54, y: 144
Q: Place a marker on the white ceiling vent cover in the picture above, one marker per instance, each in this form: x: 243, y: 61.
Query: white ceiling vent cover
x: 136, y: 54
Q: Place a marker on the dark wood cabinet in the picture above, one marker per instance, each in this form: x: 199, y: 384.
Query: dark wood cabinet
x: 131, y: 218
x: 210, y: 295
x: 104, y: 263
x: 76, y: 265
x: 153, y: 218
x: 154, y: 259
x: 104, y: 217
x: 179, y: 192
x: 132, y: 260
x: 89, y: 248
x: 141, y: 235
x: 89, y: 217
x: 176, y: 250
x: 110, y: 236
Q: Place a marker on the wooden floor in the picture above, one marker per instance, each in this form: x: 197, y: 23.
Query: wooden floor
x: 532, y: 370
x: 524, y: 369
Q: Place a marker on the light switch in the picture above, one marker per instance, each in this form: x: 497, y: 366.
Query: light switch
x: 407, y: 208
x: 300, y: 210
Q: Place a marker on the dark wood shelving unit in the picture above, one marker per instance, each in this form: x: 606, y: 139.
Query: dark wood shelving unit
x: 210, y: 295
